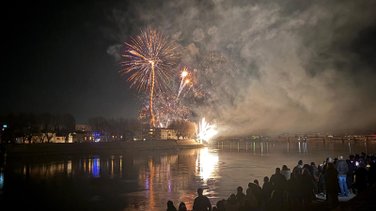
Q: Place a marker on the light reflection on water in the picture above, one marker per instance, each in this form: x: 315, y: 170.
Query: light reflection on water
x: 145, y: 181
x: 207, y: 164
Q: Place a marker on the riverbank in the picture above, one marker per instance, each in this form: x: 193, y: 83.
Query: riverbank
x: 362, y: 202
x: 49, y: 149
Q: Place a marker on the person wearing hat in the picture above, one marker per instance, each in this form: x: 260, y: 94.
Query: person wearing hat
x: 299, y: 168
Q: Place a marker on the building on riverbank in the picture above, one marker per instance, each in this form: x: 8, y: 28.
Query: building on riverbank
x: 160, y: 134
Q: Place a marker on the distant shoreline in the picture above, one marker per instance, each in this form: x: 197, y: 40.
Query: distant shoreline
x: 47, y: 149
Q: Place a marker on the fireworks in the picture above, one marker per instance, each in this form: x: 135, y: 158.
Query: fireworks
x: 148, y: 60
x: 168, y: 109
x: 206, y: 131
x: 184, y: 80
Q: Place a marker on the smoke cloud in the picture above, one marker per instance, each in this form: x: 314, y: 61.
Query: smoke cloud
x: 271, y: 66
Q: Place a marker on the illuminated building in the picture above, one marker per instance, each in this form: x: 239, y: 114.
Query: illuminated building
x: 160, y: 134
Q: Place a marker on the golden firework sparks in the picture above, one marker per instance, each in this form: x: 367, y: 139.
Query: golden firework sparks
x: 148, y: 60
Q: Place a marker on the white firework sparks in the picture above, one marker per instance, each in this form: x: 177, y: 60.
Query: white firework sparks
x: 206, y: 131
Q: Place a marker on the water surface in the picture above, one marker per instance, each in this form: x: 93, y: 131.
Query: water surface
x: 146, y: 180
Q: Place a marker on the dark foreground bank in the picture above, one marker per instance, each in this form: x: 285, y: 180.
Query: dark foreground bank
x: 362, y: 202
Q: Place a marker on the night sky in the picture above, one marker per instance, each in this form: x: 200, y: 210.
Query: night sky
x: 56, y: 61
x: 290, y: 65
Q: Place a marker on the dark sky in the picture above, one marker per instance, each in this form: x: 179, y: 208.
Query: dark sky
x: 56, y: 61
x: 264, y: 65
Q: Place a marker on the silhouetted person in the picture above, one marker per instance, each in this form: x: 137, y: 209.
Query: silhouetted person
x: 201, y: 203
x: 278, y: 180
x: 350, y: 174
x: 321, y: 183
x: 294, y: 191
x: 372, y: 171
x: 256, y: 182
x: 361, y: 178
x: 342, y: 169
x: 240, y: 198
x: 299, y: 168
x: 279, y: 185
x: 267, y: 189
x: 256, y: 190
x: 331, y: 185
x: 170, y: 206
x: 251, y: 199
x: 316, y: 176
x: 231, y: 203
x: 182, y: 207
x: 307, y: 188
x: 286, y: 172
x: 221, y: 205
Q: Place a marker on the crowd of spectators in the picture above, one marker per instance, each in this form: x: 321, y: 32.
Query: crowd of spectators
x: 299, y: 188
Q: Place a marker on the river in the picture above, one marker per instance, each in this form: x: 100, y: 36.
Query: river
x: 146, y: 180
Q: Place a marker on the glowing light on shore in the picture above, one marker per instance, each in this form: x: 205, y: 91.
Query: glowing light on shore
x: 206, y: 131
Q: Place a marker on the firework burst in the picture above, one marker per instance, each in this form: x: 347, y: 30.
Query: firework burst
x: 148, y: 60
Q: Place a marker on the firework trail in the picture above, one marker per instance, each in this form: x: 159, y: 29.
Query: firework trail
x: 148, y: 60
x: 206, y: 131
x: 184, y: 80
